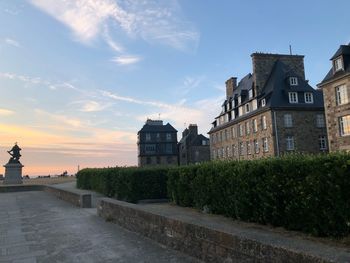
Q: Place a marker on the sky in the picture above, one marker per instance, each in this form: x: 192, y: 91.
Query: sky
x: 79, y: 78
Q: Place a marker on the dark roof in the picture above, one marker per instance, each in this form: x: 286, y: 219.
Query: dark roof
x: 157, y: 128
x: 344, y: 50
x: 277, y: 86
x: 196, y: 140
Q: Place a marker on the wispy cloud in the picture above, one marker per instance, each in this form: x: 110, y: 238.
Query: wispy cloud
x: 90, y: 106
x: 12, y: 42
x: 155, y: 21
x: 126, y: 60
x: 6, y: 112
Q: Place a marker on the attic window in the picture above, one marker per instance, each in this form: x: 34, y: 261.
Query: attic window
x: 263, y: 103
x: 293, y: 81
x: 250, y: 93
x: 338, y: 64
x: 308, y: 97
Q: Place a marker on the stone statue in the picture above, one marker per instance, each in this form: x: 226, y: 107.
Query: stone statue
x: 15, y: 153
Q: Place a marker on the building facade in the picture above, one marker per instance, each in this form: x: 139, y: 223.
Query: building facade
x: 271, y: 112
x: 157, y: 144
x: 336, y: 92
x: 193, y: 147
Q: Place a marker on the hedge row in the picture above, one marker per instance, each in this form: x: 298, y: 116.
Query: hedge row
x: 298, y: 192
x: 129, y: 184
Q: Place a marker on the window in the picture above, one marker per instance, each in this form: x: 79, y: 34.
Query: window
x: 168, y: 148
x: 248, y: 148
x: 320, y: 122
x: 290, y: 143
x: 288, y: 121
x: 255, y: 125
x: 250, y: 93
x: 263, y: 103
x: 256, y: 146
x: 223, y: 152
x: 150, y: 148
x: 338, y: 64
x: 322, y: 141
x: 228, y: 151
x: 341, y: 95
x: 226, y: 135
x: 265, y: 144
x: 293, y: 81
x: 247, y: 108
x: 233, y: 132
x: 240, y: 129
x: 233, y: 150
x: 241, y: 148
x: 221, y: 136
x: 239, y: 100
x: 168, y: 136
x: 158, y: 136
x: 148, y: 136
x: 263, y: 122
x: 205, y: 142
x: 247, y: 128
x: 293, y: 97
x: 214, y: 154
x: 344, y: 125
x: 308, y: 97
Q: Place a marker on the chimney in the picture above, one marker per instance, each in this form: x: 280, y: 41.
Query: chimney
x: 154, y: 122
x: 263, y: 64
x: 193, y: 129
x: 231, y: 84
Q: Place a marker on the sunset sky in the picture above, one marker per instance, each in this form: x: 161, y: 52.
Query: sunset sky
x: 78, y: 78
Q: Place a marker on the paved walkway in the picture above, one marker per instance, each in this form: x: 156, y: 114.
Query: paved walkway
x: 37, y: 227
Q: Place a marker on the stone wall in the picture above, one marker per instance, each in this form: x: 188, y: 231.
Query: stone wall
x: 76, y: 197
x: 333, y: 112
x: 304, y: 130
x: 214, y: 238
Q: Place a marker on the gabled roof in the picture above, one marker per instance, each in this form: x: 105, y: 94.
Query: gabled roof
x: 196, y: 140
x: 158, y: 128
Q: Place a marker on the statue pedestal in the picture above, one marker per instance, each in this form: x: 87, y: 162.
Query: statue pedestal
x: 13, y: 173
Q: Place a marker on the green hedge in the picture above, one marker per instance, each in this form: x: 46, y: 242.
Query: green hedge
x: 298, y: 192
x: 129, y: 184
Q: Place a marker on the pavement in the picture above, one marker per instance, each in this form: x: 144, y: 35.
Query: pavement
x: 37, y: 227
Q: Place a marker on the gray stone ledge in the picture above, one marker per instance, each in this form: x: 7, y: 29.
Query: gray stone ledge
x: 215, y: 238
x: 77, y: 197
x: 20, y: 188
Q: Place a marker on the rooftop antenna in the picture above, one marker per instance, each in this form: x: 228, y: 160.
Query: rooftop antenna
x: 290, y: 49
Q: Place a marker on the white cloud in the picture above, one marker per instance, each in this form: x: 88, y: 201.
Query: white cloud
x: 6, y: 112
x: 12, y: 42
x: 90, y: 106
x: 126, y: 60
x: 155, y: 21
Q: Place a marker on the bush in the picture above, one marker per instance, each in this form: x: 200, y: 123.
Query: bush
x: 129, y: 184
x: 298, y: 192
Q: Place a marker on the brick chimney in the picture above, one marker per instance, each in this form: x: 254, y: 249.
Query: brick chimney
x: 193, y: 129
x: 263, y: 64
x: 231, y: 84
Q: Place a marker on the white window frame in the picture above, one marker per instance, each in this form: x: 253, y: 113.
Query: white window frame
x: 247, y: 128
x: 293, y: 81
x: 241, y: 148
x: 249, y: 151
x: 239, y: 100
x: 322, y: 141
x: 290, y: 143
x: 308, y: 97
x: 255, y: 125
x: 341, y: 93
x: 293, y: 97
x: 240, y: 130
x: 263, y: 102
x: 338, y: 64
x: 344, y: 125
x: 265, y: 144
x: 288, y: 120
x: 233, y: 150
x: 250, y: 93
x: 256, y: 146
x: 263, y: 122
x: 320, y: 121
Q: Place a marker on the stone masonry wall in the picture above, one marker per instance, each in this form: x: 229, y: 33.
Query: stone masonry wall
x: 333, y: 112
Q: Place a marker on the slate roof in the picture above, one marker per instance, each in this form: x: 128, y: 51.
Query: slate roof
x: 157, y: 128
x: 196, y: 141
x: 344, y: 50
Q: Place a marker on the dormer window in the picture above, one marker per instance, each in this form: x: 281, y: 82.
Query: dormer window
x: 293, y: 97
x: 338, y: 64
x: 308, y: 97
x: 263, y: 102
x: 250, y: 93
x: 239, y: 100
x: 293, y: 81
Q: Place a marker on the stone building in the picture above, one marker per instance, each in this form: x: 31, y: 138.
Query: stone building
x: 193, y: 147
x: 336, y: 92
x: 157, y: 144
x: 271, y: 112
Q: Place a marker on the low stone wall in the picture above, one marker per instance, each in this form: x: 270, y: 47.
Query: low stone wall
x: 76, y: 197
x: 212, y: 240
x: 20, y: 188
